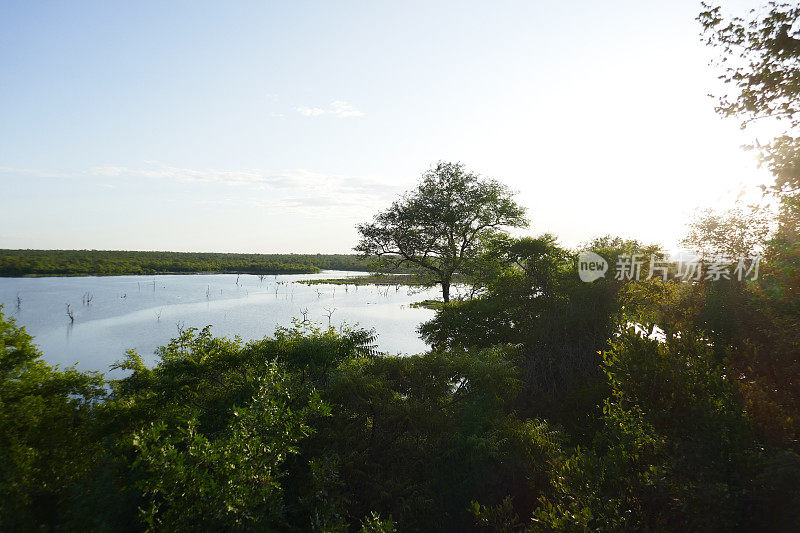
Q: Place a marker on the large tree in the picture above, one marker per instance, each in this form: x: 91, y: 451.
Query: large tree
x: 759, y: 63
x: 439, y: 227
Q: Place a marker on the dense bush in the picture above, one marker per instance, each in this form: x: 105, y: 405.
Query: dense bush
x: 47, y: 444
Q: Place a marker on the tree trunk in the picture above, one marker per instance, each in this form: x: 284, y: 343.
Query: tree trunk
x: 446, y: 290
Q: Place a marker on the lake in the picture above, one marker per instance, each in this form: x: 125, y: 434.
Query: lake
x: 116, y: 313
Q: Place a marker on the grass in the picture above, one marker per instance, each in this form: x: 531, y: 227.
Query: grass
x: 372, y: 279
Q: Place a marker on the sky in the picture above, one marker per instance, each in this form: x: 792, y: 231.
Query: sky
x: 257, y: 126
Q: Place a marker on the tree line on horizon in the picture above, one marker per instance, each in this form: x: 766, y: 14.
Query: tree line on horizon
x: 17, y: 263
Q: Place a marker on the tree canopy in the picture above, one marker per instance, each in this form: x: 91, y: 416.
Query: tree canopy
x: 442, y: 225
x: 759, y: 63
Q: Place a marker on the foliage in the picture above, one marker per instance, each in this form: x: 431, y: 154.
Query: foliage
x: 733, y: 233
x: 759, y: 62
x: 675, y: 453
x: 419, y: 437
x: 46, y: 440
x: 232, y: 481
x: 751, y: 324
x: 206, y: 438
x: 559, y: 323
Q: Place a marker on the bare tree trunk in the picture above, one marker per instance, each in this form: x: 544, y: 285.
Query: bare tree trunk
x: 446, y: 290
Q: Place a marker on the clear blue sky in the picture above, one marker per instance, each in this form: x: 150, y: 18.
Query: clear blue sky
x: 277, y: 126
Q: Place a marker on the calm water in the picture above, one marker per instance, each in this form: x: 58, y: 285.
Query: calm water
x: 144, y: 312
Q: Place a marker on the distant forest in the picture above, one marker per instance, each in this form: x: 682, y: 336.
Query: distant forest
x: 14, y: 263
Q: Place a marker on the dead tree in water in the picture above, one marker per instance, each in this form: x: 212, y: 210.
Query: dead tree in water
x: 19, y: 303
x: 304, y: 312
x: 329, y: 312
x: 70, y: 314
x: 261, y: 278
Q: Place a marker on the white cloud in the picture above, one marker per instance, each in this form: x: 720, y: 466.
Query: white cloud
x: 107, y: 171
x: 310, y: 111
x: 33, y: 173
x: 342, y: 109
x: 238, y: 177
x: 295, y: 189
x: 337, y: 108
